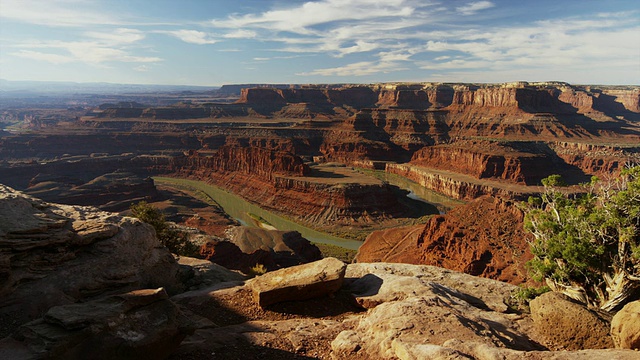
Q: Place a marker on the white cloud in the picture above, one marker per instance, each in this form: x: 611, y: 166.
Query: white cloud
x: 118, y: 36
x: 40, y: 56
x: 56, y: 12
x: 473, y: 7
x: 192, y: 36
x: 357, y: 69
x: 240, y: 34
x: 302, y: 18
x: 110, y: 47
x: 569, y: 45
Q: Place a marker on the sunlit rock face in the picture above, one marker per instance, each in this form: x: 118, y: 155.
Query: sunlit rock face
x: 54, y: 254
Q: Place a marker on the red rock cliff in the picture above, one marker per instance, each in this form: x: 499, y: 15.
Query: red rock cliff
x: 248, y: 160
x: 483, y: 238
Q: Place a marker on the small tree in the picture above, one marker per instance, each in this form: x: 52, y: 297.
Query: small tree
x: 175, y: 241
x: 588, y: 246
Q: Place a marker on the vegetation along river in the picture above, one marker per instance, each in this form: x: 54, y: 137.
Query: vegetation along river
x: 240, y: 209
x: 246, y: 212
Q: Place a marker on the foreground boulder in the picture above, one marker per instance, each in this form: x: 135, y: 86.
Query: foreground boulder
x: 625, y: 327
x: 57, y: 254
x: 567, y: 325
x: 245, y: 247
x: 414, y: 310
x: 141, y: 324
x: 300, y: 282
x: 199, y: 274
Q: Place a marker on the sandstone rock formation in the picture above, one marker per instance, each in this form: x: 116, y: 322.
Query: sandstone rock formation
x: 323, y: 197
x: 57, y: 254
x: 625, y: 327
x: 247, y: 247
x: 199, y: 273
x: 565, y: 324
x: 483, y: 238
x: 413, y: 312
x: 461, y: 186
x: 141, y: 324
x: 110, y: 191
x: 302, y: 282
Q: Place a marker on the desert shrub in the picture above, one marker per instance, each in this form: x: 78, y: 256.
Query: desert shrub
x: 587, y: 246
x: 257, y: 270
x: 519, y: 299
x: 177, y: 242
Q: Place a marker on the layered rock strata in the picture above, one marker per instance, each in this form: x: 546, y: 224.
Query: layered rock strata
x: 48, y: 256
x: 274, y: 180
x: 459, y: 186
x: 483, y: 238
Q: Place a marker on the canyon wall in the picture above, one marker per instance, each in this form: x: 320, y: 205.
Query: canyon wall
x: 517, y: 162
x: 529, y: 97
x: 262, y: 162
x: 278, y: 181
x: 458, y: 186
x: 483, y: 238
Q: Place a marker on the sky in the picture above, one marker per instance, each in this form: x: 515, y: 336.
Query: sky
x: 215, y: 42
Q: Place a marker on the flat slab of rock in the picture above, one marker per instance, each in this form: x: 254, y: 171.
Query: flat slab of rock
x: 300, y: 282
x: 141, y: 324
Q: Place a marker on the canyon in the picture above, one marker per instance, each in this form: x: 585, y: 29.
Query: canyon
x: 311, y: 152
x: 426, y: 281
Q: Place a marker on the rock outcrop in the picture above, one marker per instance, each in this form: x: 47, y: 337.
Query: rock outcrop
x: 518, y: 162
x: 245, y: 247
x: 413, y: 312
x: 54, y: 255
x: 483, y: 238
x: 302, y: 282
x: 262, y: 162
x: 141, y: 324
x: 565, y: 324
x: 625, y: 327
x: 461, y: 186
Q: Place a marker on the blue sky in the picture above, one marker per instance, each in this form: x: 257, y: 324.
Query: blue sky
x: 214, y: 42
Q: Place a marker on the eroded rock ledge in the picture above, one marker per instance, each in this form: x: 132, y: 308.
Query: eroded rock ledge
x: 54, y: 254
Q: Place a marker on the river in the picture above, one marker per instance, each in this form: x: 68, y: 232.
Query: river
x: 239, y: 209
x: 417, y: 191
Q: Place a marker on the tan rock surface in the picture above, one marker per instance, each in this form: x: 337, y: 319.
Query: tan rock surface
x: 565, y: 324
x: 57, y: 254
x: 625, y: 327
x: 415, y: 312
x: 300, y: 282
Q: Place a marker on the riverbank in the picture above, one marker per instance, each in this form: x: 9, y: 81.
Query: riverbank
x: 242, y: 210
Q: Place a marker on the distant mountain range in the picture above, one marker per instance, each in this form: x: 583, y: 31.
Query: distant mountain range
x: 62, y: 87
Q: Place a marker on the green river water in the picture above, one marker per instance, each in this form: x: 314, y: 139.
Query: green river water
x: 240, y: 209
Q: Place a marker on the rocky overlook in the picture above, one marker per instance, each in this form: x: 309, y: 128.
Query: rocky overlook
x: 70, y: 304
